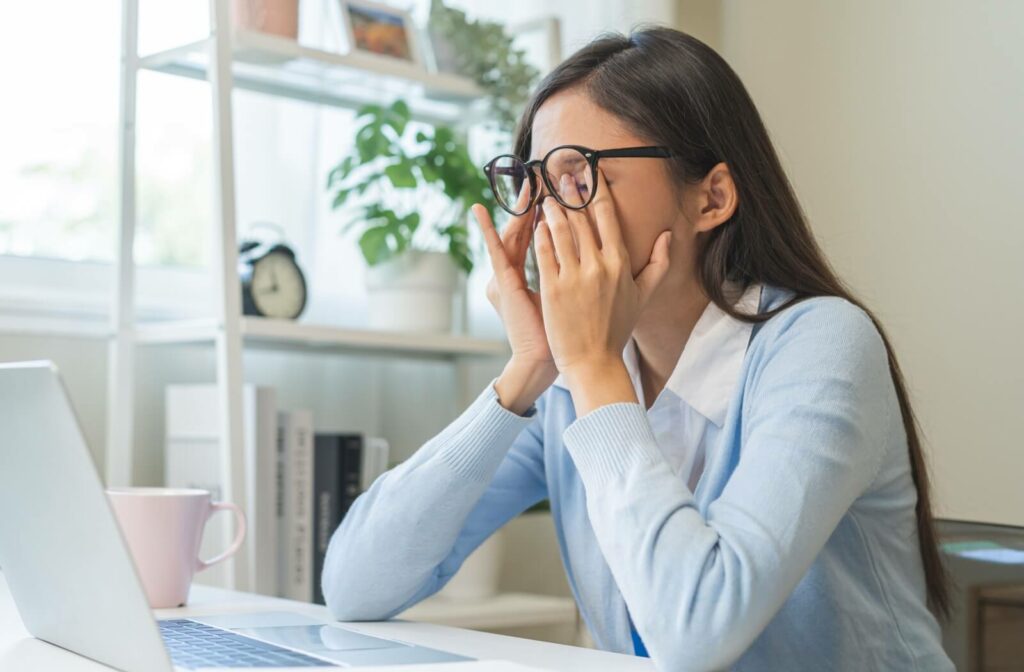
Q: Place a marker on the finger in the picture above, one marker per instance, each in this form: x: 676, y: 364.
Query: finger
x: 545, y: 246
x: 495, y: 250
x: 603, y: 206
x: 651, y: 275
x: 581, y: 227
x: 516, y: 236
x: 558, y: 225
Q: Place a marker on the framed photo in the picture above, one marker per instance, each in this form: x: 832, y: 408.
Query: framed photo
x: 382, y: 30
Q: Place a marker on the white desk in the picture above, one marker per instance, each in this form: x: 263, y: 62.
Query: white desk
x: 19, y: 651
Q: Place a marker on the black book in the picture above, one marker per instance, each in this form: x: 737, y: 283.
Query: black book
x: 351, y: 472
x: 327, y: 456
x: 333, y: 492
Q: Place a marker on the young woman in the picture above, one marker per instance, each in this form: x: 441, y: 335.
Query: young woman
x: 734, y: 471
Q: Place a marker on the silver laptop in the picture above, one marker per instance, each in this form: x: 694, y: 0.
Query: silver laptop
x: 74, y: 582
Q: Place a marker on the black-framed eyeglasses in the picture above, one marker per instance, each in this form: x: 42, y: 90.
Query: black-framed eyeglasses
x: 507, y: 173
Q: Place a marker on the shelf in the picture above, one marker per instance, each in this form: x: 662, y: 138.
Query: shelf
x: 289, y: 335
x: 506, y: 610
x: 283, y: 67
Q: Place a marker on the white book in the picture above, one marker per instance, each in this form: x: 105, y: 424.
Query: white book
x: 192, y: 459
x: 375, y: 460
x: 295, y: 454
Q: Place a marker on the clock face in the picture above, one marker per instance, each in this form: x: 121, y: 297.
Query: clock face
x: 278, y: 289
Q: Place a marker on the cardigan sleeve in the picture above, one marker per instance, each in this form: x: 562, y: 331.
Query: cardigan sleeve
x: 815, y: 423
x: 407, y: 535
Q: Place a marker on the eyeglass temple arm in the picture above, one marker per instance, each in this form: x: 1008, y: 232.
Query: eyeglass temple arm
x: 641, y: 152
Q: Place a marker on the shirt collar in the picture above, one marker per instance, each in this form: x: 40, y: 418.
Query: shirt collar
x: 709, y: 366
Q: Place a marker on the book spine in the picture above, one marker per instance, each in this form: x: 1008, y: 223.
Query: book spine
x: 375, y: 460
x: 300, y: 538
x: 326, y: 502
x: 263, y: 459
x: 282, y: 508
x: 352, y: 472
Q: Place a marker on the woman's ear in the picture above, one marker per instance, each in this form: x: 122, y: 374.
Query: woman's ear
x: 716, y: 197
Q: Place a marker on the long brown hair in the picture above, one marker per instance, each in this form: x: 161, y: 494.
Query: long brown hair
x: 674, y: 90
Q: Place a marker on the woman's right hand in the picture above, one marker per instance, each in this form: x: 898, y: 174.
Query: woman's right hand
x: 531, y: 369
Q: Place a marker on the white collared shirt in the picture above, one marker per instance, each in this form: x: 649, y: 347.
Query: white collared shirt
x: 689, y: 411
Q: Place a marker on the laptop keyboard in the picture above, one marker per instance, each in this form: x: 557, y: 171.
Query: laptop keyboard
x: 196, y: 645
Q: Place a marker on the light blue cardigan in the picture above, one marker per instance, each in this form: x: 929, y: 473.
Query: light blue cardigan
x: 798, y: 550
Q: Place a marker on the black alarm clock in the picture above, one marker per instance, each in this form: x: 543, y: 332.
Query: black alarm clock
x: 272, y: 282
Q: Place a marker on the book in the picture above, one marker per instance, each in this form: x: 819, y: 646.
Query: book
x: 345, y: 465
x: 192, y: 459
x: 329, y: 457
x: 295, y: 451
x: 376, y: 451
x: 351, y: 475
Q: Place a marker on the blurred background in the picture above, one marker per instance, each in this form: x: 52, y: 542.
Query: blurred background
x: 899, y: 124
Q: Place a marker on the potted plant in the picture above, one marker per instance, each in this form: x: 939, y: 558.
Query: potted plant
x: 275, y: 17
x: 397, y: 174
x: 482, y: 51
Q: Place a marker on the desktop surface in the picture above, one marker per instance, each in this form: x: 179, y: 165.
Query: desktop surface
x: 20, y: 651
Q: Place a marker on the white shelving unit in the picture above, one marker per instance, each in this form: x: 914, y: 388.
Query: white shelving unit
x: 228, y: 59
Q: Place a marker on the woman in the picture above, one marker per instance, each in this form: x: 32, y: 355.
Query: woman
x: 723, y: 432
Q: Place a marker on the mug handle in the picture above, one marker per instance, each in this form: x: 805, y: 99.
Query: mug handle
x: 239, y: 535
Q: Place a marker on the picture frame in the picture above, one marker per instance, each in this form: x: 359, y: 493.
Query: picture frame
x: 382, y: 31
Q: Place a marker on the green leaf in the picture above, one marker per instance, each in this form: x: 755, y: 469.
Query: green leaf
x: 443, y: 135
x: 374, y: 244
x: 398, y: 116
x: 461, y: 255
x: 340, y: 171
x: 401, y: 108
x: 428, y: 171
x: 401, y: 175
x: 411, y: 222
x: 372, y: 143
x: 340, y: 198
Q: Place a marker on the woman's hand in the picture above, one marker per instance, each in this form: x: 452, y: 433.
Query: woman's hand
x: 591, y: 301
x: 531, y: 369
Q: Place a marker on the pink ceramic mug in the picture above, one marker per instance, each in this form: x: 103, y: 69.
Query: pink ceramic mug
x: 163, y: 528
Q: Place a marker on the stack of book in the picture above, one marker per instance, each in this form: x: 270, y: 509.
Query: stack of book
x: 300, y: 483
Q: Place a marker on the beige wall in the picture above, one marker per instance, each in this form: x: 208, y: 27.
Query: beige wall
x: 901, y: 125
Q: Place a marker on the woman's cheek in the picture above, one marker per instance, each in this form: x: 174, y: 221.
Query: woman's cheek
x: 632, y: 234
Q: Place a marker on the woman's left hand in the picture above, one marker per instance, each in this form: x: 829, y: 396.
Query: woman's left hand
x: 591, y: 301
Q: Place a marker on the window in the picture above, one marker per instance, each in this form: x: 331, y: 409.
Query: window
x: 58, y: 192
x: 58, y: 170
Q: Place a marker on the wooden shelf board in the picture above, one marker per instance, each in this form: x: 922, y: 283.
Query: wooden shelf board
x: 290, y: 335
x: 282, y: 67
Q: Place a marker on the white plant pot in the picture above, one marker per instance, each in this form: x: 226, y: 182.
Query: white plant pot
x: 413, y: 292
x: 477, y: 579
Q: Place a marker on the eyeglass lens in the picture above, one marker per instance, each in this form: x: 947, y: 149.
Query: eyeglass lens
x: 509, y: 173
